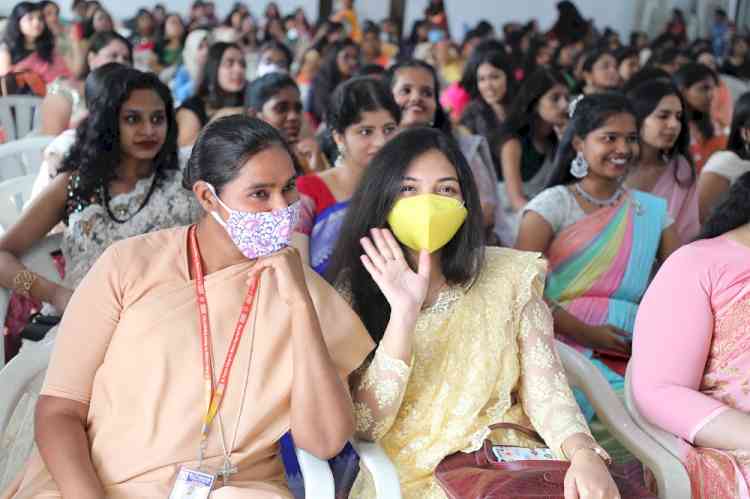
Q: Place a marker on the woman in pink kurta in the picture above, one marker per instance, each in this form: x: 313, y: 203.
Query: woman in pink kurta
x: 28, y: 45
x: 124, y: 400
x: 691, y: 351
x: 665, y: 167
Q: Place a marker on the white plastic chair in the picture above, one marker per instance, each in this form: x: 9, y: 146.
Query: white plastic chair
x: 37, y: 259
x: 16, y: 378
x: 668, y: 441
x: 18, y: 115
x: 671, y: 477
x: 14, y: 193
x: 318, y: 478
x: 22, y: 157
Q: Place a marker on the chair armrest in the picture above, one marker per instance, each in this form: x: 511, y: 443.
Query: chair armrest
x: 671, y: 476
x: 316, y: 475
x: 381, y: 468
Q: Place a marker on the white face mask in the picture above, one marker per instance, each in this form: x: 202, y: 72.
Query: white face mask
x: 265, y: 68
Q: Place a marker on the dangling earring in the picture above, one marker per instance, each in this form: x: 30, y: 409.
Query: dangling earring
x: 342, y: 152
x: 579, y: 167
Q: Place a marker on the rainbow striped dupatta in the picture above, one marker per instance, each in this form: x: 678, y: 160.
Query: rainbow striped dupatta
x: 600, y: 266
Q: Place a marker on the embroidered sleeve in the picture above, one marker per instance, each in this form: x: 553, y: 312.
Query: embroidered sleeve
x: 545, y: 393
x: 378, y: 392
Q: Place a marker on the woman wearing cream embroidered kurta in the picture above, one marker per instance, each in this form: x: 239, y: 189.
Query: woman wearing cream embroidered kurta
x: 469, y: 339
x: 123, y: 402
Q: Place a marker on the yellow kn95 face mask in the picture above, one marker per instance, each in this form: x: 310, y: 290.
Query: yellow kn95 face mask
x: 427, y: 221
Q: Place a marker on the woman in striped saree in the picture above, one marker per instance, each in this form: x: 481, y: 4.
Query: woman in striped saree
x: 601, y: 239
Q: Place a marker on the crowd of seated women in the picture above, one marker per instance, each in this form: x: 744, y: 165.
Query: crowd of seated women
x: 275, y: 236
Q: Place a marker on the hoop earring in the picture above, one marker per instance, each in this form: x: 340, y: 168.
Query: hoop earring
x: 579, y: 167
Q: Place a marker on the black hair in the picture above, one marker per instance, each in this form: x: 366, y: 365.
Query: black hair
x: 523, y: 113
x: 484, y: 28
x: 225, y: 145
x: 95, y: 86
x: 163, y: 41
x: 209, y: 89
x: 594, y: 55
x: 328, y: 77
x: 442, y: 120
x: 732, y: 213
x: 537, y: 45
x: 497, y: 59
x: 634, y: 35
x: 370, y: 27
x: 645, y: 98
x: 101, y: 40
x: 648, y: 73
x: 687, y: 76
x: 414, y: 35
x: 665, y: 56
x: 88, y: 25
x: 740, y: 120
x: 235, y: 9
x: 356, y: 96
x: 14, y: 39
x: 461, y: 259
x: 372, y: 70
x: 591, y: 113
x: 263, y: 89
x: 625, y: 53
x: 95, y: 154
x: 660, y: 42
x: 281, y: 47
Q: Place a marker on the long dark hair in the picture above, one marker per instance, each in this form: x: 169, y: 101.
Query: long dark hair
x: 461, y: 258
x: 591, y: 113
x: 210, y: 89
x: 740, y: 120
x: 442, y: 120
x: 645, y: 99
x: 687, y: 76
x: 732, y: 213
x: 479, y: 117
x: 225, y: 145
x: 14, y: 39
x: 523, y: 114
x: 328, y: 77
x: 96, y: 151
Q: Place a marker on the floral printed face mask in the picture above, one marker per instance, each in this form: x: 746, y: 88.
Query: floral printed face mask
x: 258, y: 234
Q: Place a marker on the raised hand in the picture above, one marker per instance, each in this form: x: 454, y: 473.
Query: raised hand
x: 384, y: 259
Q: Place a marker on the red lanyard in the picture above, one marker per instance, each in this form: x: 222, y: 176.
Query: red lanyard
x: 214, y: 397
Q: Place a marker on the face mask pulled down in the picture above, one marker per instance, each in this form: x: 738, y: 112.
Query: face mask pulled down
x: 426, y: 222
x: 258, y: 234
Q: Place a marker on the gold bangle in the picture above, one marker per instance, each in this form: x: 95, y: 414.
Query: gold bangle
x: 23, y: 281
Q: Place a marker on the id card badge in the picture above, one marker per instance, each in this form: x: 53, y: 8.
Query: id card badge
x: 192, y: 484
x: 506, y: 454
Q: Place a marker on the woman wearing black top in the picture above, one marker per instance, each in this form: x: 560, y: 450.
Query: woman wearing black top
x: 222, y: 87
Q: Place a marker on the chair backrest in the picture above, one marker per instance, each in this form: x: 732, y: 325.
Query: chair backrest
x: 672, y: 479
x: 38, y: 260
x: 14, y: 193
x: 18, y: 115
x: 22, y: 157
x: 667, y: 440
x: 21, y: 380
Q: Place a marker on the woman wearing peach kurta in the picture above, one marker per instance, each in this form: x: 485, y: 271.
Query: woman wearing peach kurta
x: 123, y: 402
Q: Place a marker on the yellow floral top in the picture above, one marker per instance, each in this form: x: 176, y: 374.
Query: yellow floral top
x: 482, y: 355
